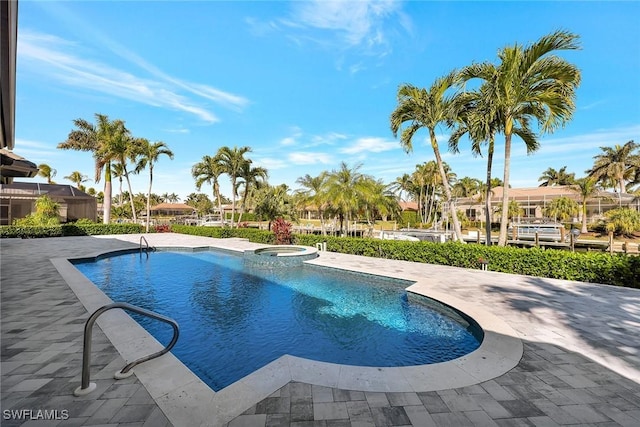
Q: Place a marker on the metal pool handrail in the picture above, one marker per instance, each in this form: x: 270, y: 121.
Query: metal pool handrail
x: 146, y: 243
x: 87, y: 387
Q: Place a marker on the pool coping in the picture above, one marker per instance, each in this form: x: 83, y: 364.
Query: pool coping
x: 187, y: 400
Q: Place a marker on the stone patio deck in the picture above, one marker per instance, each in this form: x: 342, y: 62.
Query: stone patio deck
x: 580, y: 366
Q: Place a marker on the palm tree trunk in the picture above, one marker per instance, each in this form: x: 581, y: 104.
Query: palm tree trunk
x: 487, y: 197
x: 421, y: 207
x: 120, y: 195
x: 244, y: 203
x: 584, y: 230
x: 447, y: 189
x: 504, y: 218
x: 432, y: 201
x: 133, y: 207
x: 233, y: 200
x: 216, y: 194
x: 149, y: 196
x: 107, y: 194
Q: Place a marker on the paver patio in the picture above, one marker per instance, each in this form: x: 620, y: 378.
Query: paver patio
x: 581, y: 361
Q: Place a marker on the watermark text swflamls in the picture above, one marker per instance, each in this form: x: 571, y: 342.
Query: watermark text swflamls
x: 35, y: 414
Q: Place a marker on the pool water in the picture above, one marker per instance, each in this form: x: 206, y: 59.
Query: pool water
x: 235, y: 319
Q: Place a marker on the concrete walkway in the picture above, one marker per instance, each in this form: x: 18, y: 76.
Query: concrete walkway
x: 580, y: 366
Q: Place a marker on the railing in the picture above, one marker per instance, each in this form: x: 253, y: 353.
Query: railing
x: 86, y: 386
x: 142, y: 238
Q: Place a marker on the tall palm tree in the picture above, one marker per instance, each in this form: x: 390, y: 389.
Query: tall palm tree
x: 586, y: 187
x: 343, y: 188
x: 618, y: 164
x: 126, y: 149
x: 529, y: 83
x: 476, y: 115
x: 552, y: 177
x: 46, y: 171
x: 118, y: 172
x: 149, y: 154
x: 427, y: 109
x: 208, y: 170
x: 466, y: 187
x: 402, y: 184
x: 232, y: 161
x: 275, y: 202
x: 252, y: 178
x: 77, y: 178
x: 376, y: 199
x: 170, y: 198
x: 314, y: 193
x: 99, y: 140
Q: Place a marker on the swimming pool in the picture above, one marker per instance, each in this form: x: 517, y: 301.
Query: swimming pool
x: 235, y: 319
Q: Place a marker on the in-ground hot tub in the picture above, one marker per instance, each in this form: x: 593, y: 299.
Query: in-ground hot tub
x: 279, y: 256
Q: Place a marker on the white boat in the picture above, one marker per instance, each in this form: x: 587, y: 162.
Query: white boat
x: 397, y: 236
x: 212, y: 221
x: 553, y: 232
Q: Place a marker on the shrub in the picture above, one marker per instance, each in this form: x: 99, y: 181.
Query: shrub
x: 253, y: 234
x: 623, y: 221
x: 595, y: 267
x: 70, y: 229
x: 282, y: 231
x: 162, y: 228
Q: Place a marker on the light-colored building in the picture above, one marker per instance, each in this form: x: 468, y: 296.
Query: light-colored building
x: 534, y: 200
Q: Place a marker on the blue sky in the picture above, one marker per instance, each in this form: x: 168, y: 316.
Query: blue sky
x: 306, y: 84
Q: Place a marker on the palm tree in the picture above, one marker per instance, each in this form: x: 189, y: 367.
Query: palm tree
x: 562, y: 208
x: 77, y: 178
x: 118, y: 172
x: 98, y: 139
x: 618, y: 164
x: 170, y: 198
x: 343, y: 191
x: 275, y: 202
x: 209, y: 170
x: 476, y: 115
x: 403, y: 184
x: 428, y: 181
x: 529, y: 83
x: 426, y: 109
x: 552, y: 177
x: 377, y: 200
x: 46, y: 171
x: 126, y: 148
x: 252, y: 177
x: 466, y: 187
x: 149, y: 153
x: 513, y: 209
x: 314, y: 193
x: 586, y: 187
x: 232, y: 162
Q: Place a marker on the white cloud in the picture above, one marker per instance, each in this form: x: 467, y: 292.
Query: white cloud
x: 356, y: 23
x: 309, y: 158
x: 178, y: 130
x: 44, y: 53
x: 292, y: 139
x: 327, y: 139
x: 271, y: 163
x: 370, y: 144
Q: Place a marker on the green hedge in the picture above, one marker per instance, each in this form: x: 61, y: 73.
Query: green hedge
x: 85, y: 229
x: 595, y: 267
x: 253, y: 234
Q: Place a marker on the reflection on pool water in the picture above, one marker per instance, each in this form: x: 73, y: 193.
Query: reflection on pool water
x: 235, y: 318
